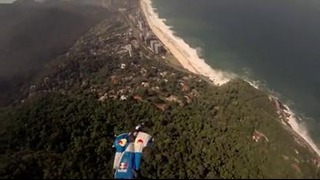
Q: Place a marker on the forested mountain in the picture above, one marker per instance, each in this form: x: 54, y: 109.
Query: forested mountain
x: 64, y: 122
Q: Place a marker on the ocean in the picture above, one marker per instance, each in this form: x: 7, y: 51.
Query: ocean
x: 273, y: 43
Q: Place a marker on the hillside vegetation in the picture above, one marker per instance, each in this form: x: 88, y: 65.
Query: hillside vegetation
x: 65, y: 125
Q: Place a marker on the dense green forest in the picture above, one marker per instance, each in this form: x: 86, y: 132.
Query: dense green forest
x: 64, y: 123
x: 59, y: 136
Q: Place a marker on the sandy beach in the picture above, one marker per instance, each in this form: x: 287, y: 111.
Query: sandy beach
x: 189, y: 59
x: 186, y: 55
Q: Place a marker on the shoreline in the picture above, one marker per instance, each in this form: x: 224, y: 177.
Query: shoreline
x: 166, y: 41
x: 191, y: 62
x: 176, y: 46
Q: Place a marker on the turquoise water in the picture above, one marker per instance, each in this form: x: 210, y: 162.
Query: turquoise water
x: 274, y: 42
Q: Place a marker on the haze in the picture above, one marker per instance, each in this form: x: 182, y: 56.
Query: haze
x: 33, y: 34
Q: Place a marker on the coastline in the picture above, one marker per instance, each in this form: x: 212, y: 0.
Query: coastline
x: 177, y: 47
x: 191, y: 62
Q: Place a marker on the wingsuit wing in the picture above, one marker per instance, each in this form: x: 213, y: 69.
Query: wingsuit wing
x: 126, y: 163
x: 120, y: 143
x: 142, y: 140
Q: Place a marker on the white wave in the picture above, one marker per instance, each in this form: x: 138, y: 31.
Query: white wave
x: 191, y: 61
x: 187, y: 55
x: 199, y: 51
x: 297, y: 123
x: 301, y: 129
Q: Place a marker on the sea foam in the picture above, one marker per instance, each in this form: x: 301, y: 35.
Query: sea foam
x: 219, y: 77
x: 190, y: 54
